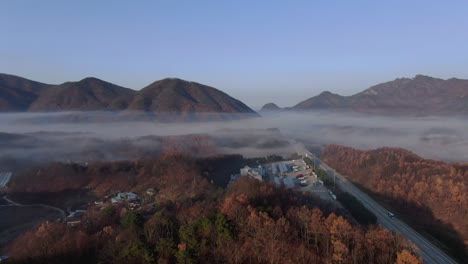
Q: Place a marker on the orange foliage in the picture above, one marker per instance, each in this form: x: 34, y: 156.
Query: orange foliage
x: 251, y: 222
x: 409, y: 181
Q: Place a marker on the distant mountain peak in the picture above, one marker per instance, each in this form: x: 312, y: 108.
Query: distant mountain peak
x: 422, y: 76
x: 270, y: 107
x: 175, y: 79
x: 327, y: 93
x: 171, y: 80
x: 90, y: 79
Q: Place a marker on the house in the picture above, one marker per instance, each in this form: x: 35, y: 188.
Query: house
x: 125, y: 197
x: 116, y: 199
x: 130, y: 197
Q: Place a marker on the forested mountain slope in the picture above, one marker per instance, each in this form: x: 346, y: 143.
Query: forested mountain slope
x: 431, y: 193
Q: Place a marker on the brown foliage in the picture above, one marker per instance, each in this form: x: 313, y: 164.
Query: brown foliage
x: 405, y: 257
x: 409, y: 181
x: 251, y: 222
x: 52, y: 239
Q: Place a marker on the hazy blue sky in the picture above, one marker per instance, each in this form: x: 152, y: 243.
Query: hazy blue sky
x: 257, y: 51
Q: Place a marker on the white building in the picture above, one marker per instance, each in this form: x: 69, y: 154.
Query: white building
x: 256, y: 173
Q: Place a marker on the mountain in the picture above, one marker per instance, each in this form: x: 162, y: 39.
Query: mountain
x: 87, y: 94
x: 418, y: 95
x: 271, y: 107
x: 17, y: 94
x: 176, y: 95
x: 91, y: 94
x: 324, y: 100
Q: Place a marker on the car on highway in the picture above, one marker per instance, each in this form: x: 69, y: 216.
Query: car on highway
x: 390, y: 214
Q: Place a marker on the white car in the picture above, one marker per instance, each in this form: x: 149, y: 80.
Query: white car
x: 390, y: 214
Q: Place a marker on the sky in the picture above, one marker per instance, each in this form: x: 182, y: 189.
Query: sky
x: 256, y: 51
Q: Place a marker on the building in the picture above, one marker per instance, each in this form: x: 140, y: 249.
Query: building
x: 277, y: 181
x: 256, y: 173
x: 288, y: 182
x: 117, y: 199
x: 274, y: 169
x: 283, y: 168
x: 125, y: 197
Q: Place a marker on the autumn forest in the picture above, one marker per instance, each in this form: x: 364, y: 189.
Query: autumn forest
x: 430, y: 195
x: 191, y: 219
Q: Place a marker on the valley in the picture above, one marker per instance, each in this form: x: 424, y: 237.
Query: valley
x: 232, y: 132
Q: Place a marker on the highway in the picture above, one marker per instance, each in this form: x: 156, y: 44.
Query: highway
x: 429, y: 252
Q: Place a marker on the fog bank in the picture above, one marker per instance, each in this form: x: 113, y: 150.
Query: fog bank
x: 106, y: 136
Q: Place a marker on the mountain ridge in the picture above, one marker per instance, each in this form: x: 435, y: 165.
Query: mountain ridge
x: 419, y: 95
x: 171, y: 95
x: 17, y: 93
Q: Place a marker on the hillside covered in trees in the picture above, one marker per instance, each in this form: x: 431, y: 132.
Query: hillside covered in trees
x: 431, y: 194
x: 192, y: 220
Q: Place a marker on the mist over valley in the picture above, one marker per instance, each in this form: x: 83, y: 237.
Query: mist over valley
x: 129, y: 133
x: 103, y: 136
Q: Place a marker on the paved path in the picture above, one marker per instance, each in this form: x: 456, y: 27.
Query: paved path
x: 13, y: 203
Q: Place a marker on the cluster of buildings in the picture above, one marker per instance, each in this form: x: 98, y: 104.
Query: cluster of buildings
x: 279, y: 173
x: 280, y: 168
x: 290, y: 174
x: 128, y: 198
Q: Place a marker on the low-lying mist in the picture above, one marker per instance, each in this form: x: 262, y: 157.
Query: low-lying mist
x: 41, y: 137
